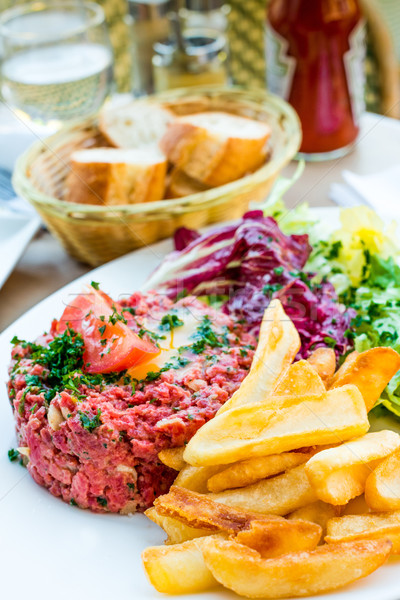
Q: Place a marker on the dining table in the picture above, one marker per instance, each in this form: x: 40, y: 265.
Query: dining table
x: 45, y: 266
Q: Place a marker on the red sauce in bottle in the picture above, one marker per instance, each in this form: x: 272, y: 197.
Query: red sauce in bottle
x: 315, y: 52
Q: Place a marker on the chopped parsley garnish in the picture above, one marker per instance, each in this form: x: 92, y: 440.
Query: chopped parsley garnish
x: 115, y: 316
x: 153, y: 375
x: 270, y: 288
x: 22, y: 400
x: 151, y: 334
x: 329, y: 341
x: 63, y: 363
x: 170, y: 322
x: 102, y: 329
x: 95, y: 285
x: 176, y: 363
x: 205, y: 336
x: 62, y: 356
x: 88, y: 422
x: 102, y: 501
x: 13, y: 454
x: 33, y: 381
x: 49, y: 395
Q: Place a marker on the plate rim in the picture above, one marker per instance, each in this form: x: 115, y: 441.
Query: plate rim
x: 388, y: 589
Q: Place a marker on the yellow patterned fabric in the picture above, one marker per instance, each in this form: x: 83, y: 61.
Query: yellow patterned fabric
x: 390, y: 10
x: 246, y: 41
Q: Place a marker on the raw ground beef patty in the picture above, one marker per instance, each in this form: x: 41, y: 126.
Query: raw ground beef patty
x: 94, y: 441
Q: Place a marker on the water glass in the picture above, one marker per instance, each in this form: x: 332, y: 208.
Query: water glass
x: 57, y: 60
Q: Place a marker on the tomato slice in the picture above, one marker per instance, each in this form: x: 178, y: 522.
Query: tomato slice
x: 109, y: 343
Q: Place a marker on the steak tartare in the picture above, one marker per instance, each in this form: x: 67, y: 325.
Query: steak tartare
x: 92, y: 437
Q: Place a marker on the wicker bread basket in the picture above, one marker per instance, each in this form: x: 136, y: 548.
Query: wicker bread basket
x: 97, y: 234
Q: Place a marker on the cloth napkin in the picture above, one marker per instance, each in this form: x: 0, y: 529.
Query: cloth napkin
x: 9, y: 202
x: 380, y: 191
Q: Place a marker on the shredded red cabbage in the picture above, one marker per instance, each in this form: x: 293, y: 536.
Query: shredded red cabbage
x: 251, y: 262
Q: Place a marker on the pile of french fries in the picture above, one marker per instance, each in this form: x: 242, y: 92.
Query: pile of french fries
x: 284, y: 493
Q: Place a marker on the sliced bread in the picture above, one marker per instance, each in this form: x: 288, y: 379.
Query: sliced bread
x: 114, y: 176
x: 216, y: 147
x: 134, y: 125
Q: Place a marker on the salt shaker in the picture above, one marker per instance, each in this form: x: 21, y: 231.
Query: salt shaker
x: 149, y: 25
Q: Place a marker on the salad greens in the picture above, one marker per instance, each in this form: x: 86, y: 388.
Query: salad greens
x: 361, y: 259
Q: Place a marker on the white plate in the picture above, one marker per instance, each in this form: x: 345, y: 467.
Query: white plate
x: 16, y: 231
x: 51, y: 550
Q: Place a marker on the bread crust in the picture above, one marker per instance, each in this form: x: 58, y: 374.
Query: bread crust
x: 214, y: 157
x: 115, y: 183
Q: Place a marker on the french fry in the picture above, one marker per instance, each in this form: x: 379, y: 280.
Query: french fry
x: 299, y: 380
x: 339, y: 474
x: 323, y: 360
x: 255, y: 430
x: 178, y: 569
x: 252, y: 470
x: 382, y: 488
x: 181, y: 568
x: 278, y: 344
x: 357, y: 506
x: 196, y: 478
x: 280, y: 537
x: 326, y: 568
x: 173, y: 458
x: 177, y: 531
x: 318, y: 512
x: 347, y: 365
x: 200, y: 511
x: 278, y: 495
x: 370, y: 527
x: 370, y: 371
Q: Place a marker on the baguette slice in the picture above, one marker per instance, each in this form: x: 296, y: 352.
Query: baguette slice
x: 180, y: 185
x: 134, y: 125
x: 114, y: 176
x: 215, y: 147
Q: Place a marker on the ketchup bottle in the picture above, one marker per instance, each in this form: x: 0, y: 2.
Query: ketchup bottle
x: 315, y: 54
